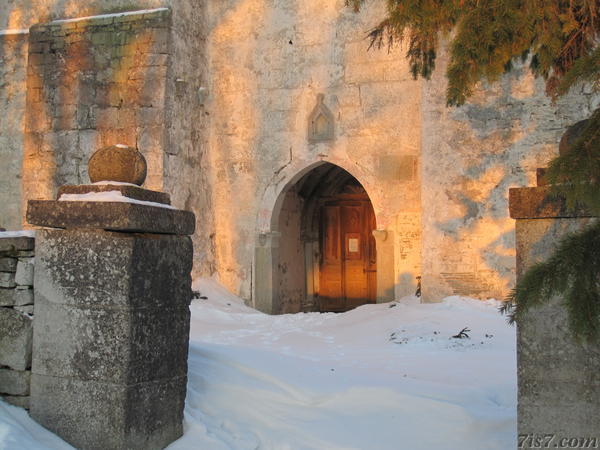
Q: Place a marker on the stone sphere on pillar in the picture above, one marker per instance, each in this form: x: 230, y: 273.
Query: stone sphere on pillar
x: 570, y: 136
x: 119, y: 163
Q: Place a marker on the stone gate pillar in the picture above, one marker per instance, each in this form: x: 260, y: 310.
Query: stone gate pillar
x: 559, y: 386
x: 111, y: 331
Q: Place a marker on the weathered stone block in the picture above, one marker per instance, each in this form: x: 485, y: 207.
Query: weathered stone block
x: 24, y: 274
x: 27, y: 309
x: 140, y: 416
x: 8, y: 264
x: 7, y: 280
x: 110, y: 345
x: 558, y: 377
x: 15, y: 382
x: 134, y: 192
x: 7, y: 297
x: 16, y: 243
x: 537, y: 203
x: 23, y: 297
x: 110, y: 216
x: 15, y: 400
x: 129, y: 270
x: 16, y: 333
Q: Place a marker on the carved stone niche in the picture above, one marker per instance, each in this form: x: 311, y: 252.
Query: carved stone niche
x: 320, y: 122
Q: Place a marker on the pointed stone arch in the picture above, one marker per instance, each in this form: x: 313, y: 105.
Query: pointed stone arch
x: 289, y: 223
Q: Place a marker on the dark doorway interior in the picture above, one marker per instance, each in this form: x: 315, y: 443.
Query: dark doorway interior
x: 327, y: 259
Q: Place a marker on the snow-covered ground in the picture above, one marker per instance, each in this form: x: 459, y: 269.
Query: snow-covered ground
x: 384, y: 376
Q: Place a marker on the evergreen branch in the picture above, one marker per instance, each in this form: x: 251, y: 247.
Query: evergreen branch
x: 584, y: 69
x: 561, y: 36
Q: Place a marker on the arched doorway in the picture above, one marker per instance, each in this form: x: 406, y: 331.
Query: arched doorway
x: 326, y: 259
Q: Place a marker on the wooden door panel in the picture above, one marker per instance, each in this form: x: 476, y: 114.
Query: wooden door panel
x: 330, y: 286
x: 331, y: 234
x: 355, y: 275
x: 348, y: 261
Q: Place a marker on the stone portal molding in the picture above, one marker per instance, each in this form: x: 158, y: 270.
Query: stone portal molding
x: 320, y: 122
x: 386, y: 279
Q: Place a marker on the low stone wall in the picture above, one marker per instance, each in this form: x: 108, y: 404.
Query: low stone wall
x: 16, y: 317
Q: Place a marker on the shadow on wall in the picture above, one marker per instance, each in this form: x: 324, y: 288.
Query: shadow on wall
x: 494, y: 142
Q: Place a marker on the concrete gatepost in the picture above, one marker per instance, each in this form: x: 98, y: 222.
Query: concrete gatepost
x: 111, y: 330
x: 558, y: 381
x: 386, y: 280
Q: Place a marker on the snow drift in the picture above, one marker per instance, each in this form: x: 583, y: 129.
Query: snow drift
x: 389, y: 376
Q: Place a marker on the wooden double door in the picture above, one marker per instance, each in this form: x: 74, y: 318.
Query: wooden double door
x: 348, y: 263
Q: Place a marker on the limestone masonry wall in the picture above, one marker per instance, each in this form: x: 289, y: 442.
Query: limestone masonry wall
x: 16, y: 318
x: 138, y: 79
x: 472, y: 155
x: 438, y: 177
x: 93, y: 83
x: 13, y: 66
x: 217, y: 96
x: 186, y: 126
x: 268, y: 63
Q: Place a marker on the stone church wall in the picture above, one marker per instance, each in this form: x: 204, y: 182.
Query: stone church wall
x: 156, y: 69
x: 93, y: 83
x: 226, y: 134
x: 438, y: 178
x: 13, y: 66
x: 268, y: 63
x: 471, y: 156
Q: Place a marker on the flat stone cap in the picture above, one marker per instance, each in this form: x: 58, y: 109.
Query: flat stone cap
x: 538, y: 203
x: 127, y: 190
x: 113, y: 216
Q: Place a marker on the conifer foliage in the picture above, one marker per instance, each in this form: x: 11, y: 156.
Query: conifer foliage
x: 561, y: 41
x: 559, y: 36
